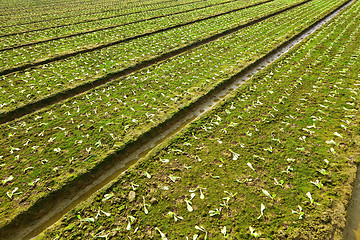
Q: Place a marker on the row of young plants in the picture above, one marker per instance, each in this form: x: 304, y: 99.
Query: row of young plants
x: 44, y: 151
x: 37, y: 12
x: 89, y: 17
x: 85, y: 8
x: 10, y: 6
x: 21, y: 88
x: 83, y: 28
x: 274, y: 161
x: 33, y: 53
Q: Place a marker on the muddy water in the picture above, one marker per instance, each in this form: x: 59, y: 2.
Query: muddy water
x: 352, y: 230
x: 200, y: 108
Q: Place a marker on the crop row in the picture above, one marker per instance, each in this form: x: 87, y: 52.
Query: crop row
x: 8, y: 6
x: 43, y: 151
x: 21, y: 88
x: 50, y: 49
x: 69, y: 12
x: 272, y: 161
x: 85, y: 28
x: 83, y: 18
x: 49, y: 9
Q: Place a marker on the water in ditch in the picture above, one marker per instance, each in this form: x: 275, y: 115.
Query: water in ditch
x: 213, y: 99
x: 352, y: 230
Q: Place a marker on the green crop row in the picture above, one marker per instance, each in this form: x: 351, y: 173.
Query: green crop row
x: 274, y: 161
x: 21, y: 88
x: 47, y: 34
x: 29, y: 14
x: 43, y: 151
x: 80, y: 18
x: 85, y: 8
x: 51, y: 49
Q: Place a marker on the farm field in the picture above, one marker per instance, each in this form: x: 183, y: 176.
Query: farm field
x: 274, y: 160
x: 279, y: 154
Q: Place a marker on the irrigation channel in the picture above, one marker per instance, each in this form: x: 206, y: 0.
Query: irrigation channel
x: 352, y: 230
x: 66, y: 200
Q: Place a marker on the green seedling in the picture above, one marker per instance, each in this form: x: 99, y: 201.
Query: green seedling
x: 200, y: 190
x: 12, y: 149
x: 268, y: 194
x: 338, y: 135
x: 332, y: 150
x: 326, y: 162
x: 147, y: 175
x: 27, y: 169
x: 253, y: 233
x: 276, y: 140
x: 100, y: 212
x: 250, y: 166
x: 8, y: 179
x: 85, y: 219
x: 269, y: 149
x: 317, y: 183
x: 189, y: 205
x: 13, y: 192
x: 98, y: 144
x: 57, y: 150
x: 262, y: 208
x: 164, y: 160
x: 173, y: 178
x: 201, y: 228
x: 134, y: 186
x: 288, y: 170
x: 235, y: 155
x: 101, y: 235
x: 176, y: 217
x: 332, y: 142
x: 281, y: 183
x: 33, y: 183
x: 146, y: 211
x: 244, y: 181
x: 187, y: 167
x: 131, y: 220
x: 299, y: 212
x: 308, y: 194
x: 107, y: 196
x: 225, y: 202
x: 223, y: 231
x: 261, y: 158
x: 163, y: 236
x: 323, y: 172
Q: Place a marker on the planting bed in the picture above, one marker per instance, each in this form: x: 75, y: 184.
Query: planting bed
x: 36, y: 14
x: 21, y: 88
x: 86, y: 27
x: 46, y: 150
x: 275, y: 161
x: 121, y: 33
